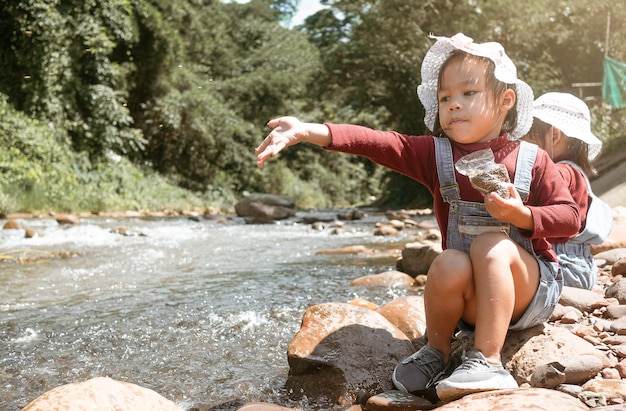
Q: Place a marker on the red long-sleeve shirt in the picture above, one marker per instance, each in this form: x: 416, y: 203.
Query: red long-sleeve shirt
x: 554, y: 212
x: 577, y: 186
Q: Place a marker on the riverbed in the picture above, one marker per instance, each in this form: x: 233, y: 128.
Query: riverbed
x: 199, y: 310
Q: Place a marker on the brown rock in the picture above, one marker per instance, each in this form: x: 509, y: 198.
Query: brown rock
x: 387, y: 279
x: 525, y: 350
x: 386, y: 230
x: 262, y: 406
x: 344, y: 352
x: 619, y: 268
x: 579, y: 298
x: 260, y: 208
x: 536, y: 399
x: 616, y: 311
x: 609, y: 388
x: 417, y: 257
x: 101, y: 393
x: 396, y: 401
x: 362, y: 302
x: 611, y: 256
x: 621, y: 368
x: 12, y: 225
x: 66, y: 218
x: 581, y: 368
x: 407, y: 313
x: 617, y: 290
x: 619, y: 326
x: 610, y: 374
x: 548, y: 375
x: 30, y: 233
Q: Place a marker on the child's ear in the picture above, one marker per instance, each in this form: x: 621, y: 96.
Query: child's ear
x: 557, y: 136
x: 508, y: 99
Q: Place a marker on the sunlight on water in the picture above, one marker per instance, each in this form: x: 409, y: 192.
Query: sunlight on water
x: 210, y: 308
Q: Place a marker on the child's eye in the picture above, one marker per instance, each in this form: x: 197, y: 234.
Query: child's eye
x: 444, y: 99
x: 469, y: 93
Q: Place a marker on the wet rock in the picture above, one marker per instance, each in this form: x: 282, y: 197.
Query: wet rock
x: 101, y: 393
x: 417, y: 257
x: 68, y: 219
x: 262, y: 406
x: 388, y: 279
x: 385, y: 230
x: 355, y: 214
x: 263, y: 208
x: 397, y: 401
x: 30, y: 233
x: 12, y: 225
x: 407, y: 313
x: 342, y: 352
x: 361, y: 302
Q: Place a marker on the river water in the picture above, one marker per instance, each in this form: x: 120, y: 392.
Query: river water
x: 200, y: 311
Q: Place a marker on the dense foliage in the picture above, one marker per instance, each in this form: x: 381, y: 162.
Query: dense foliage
x: 134, y: 104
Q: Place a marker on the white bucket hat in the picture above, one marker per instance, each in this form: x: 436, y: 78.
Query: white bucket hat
x: 569, y: 114
x: 505, y: 71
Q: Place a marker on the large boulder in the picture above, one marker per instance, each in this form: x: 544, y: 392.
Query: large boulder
x: 526, y: 350
x: 265, y: 208
x: 344, y: 352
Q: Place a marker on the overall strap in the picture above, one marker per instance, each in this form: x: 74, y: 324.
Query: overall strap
x: 577, y: 167
x: 445, y: 171
x: 524, y: 168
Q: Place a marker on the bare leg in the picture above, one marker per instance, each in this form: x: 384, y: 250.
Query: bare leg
x: 448, y: 294
x: 505, y: 279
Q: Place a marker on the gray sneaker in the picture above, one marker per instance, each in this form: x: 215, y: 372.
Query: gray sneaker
x: 419, y: 371
x: 475, y: 374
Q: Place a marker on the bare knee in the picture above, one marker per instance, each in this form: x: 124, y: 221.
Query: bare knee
x: 488, y: 246
x: 449, y: 267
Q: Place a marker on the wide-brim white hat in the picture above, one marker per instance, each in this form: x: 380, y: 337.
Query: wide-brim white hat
x: 505, y: 71
x: 569, y: 114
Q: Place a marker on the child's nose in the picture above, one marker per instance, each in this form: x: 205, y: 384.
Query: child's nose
x: 454, y: 106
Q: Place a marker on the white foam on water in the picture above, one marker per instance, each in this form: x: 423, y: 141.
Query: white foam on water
x: 27, y: 336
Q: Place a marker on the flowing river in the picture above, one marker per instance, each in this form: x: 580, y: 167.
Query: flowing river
x: 200, y: 311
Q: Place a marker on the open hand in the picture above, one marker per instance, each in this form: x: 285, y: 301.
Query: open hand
x: 286, y: 131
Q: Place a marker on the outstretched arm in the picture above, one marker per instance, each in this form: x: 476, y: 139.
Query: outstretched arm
x: 287, y: 131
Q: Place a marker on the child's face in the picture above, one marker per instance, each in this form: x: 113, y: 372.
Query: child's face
x: 468, y: 110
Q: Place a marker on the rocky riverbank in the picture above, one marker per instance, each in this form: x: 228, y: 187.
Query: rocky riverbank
x: 344, y: 353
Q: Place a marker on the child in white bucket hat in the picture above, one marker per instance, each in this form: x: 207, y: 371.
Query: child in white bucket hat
x: 497, y: 271
x: 562, y: 127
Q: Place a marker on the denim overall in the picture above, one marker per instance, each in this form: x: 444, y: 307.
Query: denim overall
x: 467, y: 219
x: 575, y: 258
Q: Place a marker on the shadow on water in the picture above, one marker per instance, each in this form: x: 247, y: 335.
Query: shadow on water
x: 200, y: 312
